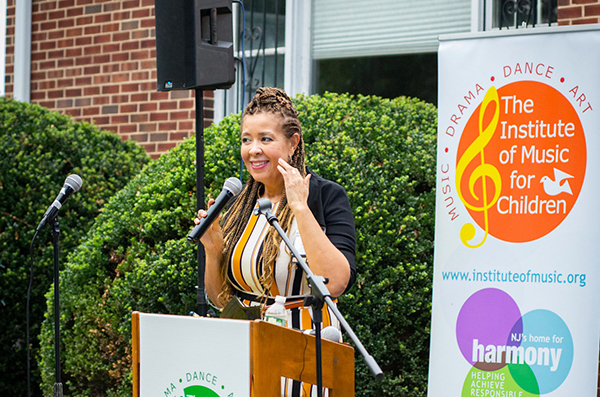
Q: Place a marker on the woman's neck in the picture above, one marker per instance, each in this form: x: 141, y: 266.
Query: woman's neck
x: 273, y: 194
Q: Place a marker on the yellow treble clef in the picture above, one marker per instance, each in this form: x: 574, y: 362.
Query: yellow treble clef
x: 483, y: 170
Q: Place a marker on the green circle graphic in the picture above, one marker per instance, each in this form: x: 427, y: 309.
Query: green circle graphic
x: 199, y: 391
x: 499, y: 383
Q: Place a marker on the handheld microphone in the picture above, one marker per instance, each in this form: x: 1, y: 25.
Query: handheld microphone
x: 231, y: 187
x: 72, y: 184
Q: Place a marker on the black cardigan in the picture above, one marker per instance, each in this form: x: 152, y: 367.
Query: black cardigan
x: 330, y: 206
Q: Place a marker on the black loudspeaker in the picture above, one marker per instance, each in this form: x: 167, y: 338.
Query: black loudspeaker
x: 194, y: 44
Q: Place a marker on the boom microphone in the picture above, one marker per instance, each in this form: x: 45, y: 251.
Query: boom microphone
x: 72, y: 184
x: 231, y: 187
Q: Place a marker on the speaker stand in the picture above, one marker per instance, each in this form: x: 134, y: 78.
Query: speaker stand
x: 201, y: 304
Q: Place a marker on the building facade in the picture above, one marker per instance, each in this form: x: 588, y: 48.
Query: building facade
x: 95, y: 60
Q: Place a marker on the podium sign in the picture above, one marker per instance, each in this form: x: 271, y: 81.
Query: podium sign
x: 181, y: 356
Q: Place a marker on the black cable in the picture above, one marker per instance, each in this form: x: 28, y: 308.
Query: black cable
x: 27, y: 314
x: 304, y: 354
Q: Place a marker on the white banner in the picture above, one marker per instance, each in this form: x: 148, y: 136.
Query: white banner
x: 184, y: 356
x: 516, y: 298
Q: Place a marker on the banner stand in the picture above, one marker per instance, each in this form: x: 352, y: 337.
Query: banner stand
x: 516, y: 286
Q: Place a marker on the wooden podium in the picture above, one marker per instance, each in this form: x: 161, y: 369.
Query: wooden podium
x: 266, y: 353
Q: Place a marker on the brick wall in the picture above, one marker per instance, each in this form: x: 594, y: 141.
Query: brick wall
x: 96, y: 61
x: 578, y: 12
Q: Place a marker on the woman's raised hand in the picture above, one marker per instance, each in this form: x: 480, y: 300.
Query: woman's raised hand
x: 296, y: 187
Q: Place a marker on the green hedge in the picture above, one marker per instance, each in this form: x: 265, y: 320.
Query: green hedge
x: 136, y: 256
x: 38, y: 150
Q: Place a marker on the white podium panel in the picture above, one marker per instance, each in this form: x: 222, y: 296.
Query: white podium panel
x: 183, y: 356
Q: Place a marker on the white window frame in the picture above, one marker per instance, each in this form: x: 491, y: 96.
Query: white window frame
x: 477, y: 22
x: 298, y: 43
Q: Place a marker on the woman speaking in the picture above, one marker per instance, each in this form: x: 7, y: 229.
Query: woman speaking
x: 247, y: 263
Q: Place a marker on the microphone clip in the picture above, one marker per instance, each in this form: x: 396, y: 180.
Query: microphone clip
x: 264, y: 208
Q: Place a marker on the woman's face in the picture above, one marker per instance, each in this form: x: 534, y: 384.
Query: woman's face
x: 263, y: 143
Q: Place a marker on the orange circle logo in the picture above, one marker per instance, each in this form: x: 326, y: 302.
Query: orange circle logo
x: 521, y: 162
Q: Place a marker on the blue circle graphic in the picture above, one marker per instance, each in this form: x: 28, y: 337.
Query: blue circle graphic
x: 546, y: 347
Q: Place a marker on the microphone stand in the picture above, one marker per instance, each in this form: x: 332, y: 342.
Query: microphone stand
x: 320, y: 295
x: 58, y: 387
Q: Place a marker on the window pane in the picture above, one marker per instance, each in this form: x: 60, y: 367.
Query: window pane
x: 265, y: 24
x: 412, y: 75
x: 264, y: 43
x: 264, y: 72
x: 517, y: 13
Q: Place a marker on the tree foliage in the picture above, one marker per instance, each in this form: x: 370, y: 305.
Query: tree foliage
x: 38, y: 150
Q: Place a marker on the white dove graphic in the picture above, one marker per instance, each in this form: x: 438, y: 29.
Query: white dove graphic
x: 558, y: 185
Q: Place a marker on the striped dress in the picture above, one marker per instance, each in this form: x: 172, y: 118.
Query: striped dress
x: 246, y: 267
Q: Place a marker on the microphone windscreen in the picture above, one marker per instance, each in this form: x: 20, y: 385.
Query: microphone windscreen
x: 234, y: 185
x: 74, y: 181
x: 332, y: 333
